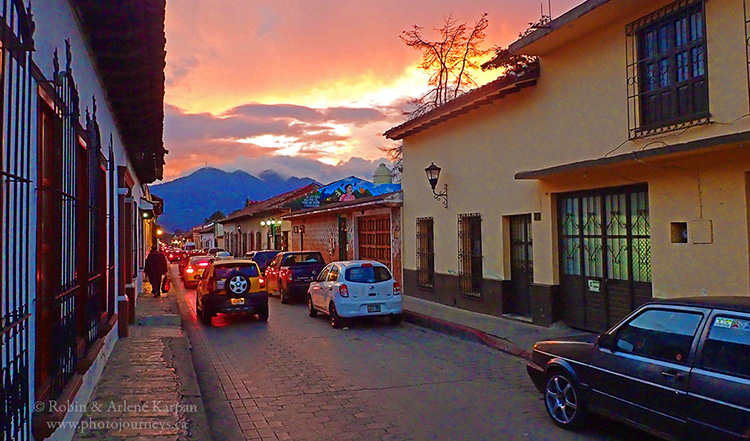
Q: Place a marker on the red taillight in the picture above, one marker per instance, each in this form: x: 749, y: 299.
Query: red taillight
x: 366, y: 265
x: 289, y: 276
x: 262, y: 282
x: 396, y: 289
x: 344, y: 291
x: 190, y: 270
x: 203, y: 264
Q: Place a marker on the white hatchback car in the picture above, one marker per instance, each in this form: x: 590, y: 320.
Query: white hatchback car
x: 355, y: 288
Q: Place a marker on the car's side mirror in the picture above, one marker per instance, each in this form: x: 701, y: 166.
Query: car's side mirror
x: 606, y: 341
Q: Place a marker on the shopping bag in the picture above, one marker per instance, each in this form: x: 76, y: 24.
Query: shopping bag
x: 165, y: 285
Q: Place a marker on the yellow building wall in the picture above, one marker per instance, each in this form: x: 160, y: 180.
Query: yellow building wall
x: 709, y: 187
x: 579, y: 111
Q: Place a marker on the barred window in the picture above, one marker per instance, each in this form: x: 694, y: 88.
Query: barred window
x: 470, y: 254
x: 667, y: 73
x: 425, y: 253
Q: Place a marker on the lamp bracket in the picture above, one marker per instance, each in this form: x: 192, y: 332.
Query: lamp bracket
x: 442, y: 196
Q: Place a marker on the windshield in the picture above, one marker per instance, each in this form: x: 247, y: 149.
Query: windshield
x: 246, y: 270
x: 291, y: 259
x: 368, y: 274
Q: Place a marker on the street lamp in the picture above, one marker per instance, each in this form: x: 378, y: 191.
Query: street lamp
x: 272, y: 223
x: 433, y: 174
x: 239, y: 240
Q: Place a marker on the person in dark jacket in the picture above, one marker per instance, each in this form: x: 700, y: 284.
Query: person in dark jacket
x: 156, y: 266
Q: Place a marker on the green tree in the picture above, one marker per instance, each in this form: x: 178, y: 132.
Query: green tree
x: 218, y: 215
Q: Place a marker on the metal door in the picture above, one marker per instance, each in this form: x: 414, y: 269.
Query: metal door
x: 521, y: 266
x: 605, y: 255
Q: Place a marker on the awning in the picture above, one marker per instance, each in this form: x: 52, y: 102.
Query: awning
x: 635, y: 156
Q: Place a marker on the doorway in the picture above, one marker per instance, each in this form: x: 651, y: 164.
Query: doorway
x: 521, y: 266
x: 605, y: 255
x: 342, y: 238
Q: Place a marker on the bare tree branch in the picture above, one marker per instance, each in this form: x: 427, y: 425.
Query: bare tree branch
x: 449, y: 60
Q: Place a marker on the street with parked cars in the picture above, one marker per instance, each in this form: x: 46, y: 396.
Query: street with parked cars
x: 672, y: 369
x: 295, y: 377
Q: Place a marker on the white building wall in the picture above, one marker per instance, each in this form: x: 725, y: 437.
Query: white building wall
x: 56, y: 22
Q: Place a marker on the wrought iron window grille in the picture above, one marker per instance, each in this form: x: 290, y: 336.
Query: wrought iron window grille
x: 16, y: 197
x: 470, y: 269
x: 425, y: 253
x: 667, y: 70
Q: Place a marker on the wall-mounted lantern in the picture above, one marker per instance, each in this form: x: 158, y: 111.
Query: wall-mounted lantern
x: 433, y: 174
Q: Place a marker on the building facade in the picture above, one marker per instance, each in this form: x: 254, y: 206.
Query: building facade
x: 610, y: 170
x: 82, y: 136
x: 259, y: 226
x: 368, y: 228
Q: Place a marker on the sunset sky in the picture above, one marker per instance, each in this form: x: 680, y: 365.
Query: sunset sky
x: 301, y: 87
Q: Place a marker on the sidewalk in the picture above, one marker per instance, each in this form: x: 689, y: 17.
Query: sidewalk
x: 507, y: 335
x: 148, y: 389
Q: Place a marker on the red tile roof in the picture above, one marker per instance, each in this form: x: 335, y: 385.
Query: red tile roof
x: 271, y: 204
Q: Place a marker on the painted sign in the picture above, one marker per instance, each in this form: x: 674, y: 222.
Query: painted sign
x: 347, y: 189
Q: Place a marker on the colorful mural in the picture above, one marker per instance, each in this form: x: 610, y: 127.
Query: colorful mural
x: 347, y: 189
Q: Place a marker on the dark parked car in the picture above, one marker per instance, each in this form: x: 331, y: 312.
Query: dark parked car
x: 262, y: 258
x: 677, y: 368
x: 291, y: 272
x: 231, y: 286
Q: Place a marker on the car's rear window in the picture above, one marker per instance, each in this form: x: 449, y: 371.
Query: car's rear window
x: 200, y: 259
x: 302, y: 258
x: 367, y: 274
x: 246, y: 270
x: 262, y: 258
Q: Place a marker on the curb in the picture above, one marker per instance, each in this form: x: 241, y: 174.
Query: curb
x: 466, y: 333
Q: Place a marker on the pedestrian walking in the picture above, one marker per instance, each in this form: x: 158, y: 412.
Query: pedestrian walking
x: 156, y: 266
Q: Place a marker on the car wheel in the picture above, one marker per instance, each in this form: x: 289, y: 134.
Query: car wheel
x: 336, y: 321
x: 563, y: 401
x: 237, y: 283
x: 206, y: 316
x: 395, y: 319
x: 263, y: 314
x: 311, y: 311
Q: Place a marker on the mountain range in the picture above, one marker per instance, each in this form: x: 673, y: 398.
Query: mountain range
x: 191, y: 199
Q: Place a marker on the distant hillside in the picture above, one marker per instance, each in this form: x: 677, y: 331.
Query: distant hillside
x: 190, y: 199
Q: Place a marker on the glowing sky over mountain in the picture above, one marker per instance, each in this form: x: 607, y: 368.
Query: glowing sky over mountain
x: 304, y: 87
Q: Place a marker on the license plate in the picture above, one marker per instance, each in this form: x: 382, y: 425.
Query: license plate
x: 373, y: 308
x: 237, y: 301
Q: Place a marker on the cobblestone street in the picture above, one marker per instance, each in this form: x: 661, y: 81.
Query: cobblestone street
x: 297, y: 378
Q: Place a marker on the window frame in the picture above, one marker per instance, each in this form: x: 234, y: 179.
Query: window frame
x: 426, y: 253
x: 333, y: 274
x: 691, y: 350
x: 698, y: 363
x: 323, y: 276
x: 470, y: 258
x: 674, y: 92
